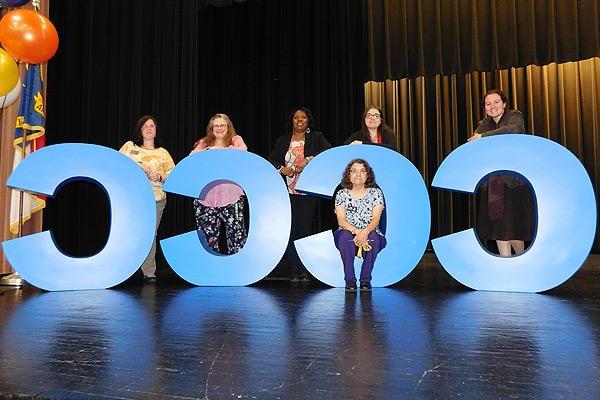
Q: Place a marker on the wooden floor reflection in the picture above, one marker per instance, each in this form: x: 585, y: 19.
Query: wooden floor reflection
x: 426, y: 338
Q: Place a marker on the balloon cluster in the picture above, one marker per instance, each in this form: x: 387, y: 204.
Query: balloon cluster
x: 26, y: 36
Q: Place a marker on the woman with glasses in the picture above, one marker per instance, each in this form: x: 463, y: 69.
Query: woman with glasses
x: 156, y: 162
x: 358, y: 207
x: 374, y: 130
x: 290, y: 155
x: 223, y: 204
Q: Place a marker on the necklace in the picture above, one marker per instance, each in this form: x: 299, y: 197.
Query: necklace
x: 298, y: 136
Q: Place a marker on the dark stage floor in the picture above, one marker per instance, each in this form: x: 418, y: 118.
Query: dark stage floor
x: 426, y: 338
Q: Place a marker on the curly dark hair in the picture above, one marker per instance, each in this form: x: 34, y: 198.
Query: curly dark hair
x: 136, y: 138
x: 306, y: 111
x: 370, y: 182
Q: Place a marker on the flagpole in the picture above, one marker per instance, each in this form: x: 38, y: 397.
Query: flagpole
x: 21, y: 194
x: 15, y: 279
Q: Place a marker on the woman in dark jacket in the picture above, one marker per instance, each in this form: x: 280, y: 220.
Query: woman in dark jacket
x: 374, y: 130
x: 505, y: 209
x: 290, y: 155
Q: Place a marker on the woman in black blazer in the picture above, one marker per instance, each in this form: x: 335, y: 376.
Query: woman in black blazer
x: 374, y: 130
x: 290, y: 155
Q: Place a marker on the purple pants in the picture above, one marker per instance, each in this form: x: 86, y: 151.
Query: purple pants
x: 343, y: 241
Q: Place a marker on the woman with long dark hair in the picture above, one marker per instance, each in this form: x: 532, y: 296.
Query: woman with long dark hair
x: 374, y: 130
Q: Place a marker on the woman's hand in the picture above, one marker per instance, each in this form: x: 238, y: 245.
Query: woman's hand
x: 357, y: 142
x: 154, y: 176
x: 300, y: 167
x: 144, y: 168
x: 474, y: 136
x: 287, y: 172
x: 361, y: 237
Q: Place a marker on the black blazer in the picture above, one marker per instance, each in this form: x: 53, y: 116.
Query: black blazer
x: 388, y: 139
x: 314, y: 143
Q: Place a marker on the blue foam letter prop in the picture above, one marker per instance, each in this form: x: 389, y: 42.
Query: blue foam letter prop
x: 406, y: 206
x: 566, y: 210
x: 270, y: 219
x: 132, y: 213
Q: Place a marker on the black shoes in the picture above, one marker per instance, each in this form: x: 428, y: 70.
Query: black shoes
x: 300, y: 278
x: 149, y: 279
x: 364, y: 287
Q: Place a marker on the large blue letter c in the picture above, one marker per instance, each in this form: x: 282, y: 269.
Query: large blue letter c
x: 566, y: 214
x: 133, y: 218
x: 270, y: 219
x: 407, y: 210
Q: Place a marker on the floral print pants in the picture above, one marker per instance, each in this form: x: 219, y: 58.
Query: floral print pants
x: 209, y: 220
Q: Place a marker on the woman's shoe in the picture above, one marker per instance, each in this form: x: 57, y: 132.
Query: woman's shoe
x: 351, y: 287
x: 365, y: 286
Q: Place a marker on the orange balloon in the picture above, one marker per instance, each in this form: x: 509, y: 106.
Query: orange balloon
x: 28, y: 36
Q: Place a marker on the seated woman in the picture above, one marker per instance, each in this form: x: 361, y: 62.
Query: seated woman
x: 224, y: 202
x: 374, y: 130
x: 358, y: 207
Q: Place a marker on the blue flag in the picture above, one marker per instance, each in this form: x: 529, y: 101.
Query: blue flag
x: 29, y: 129
x: 31, y: 118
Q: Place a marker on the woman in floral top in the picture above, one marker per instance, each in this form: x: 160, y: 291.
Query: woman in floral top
x: 144, y: 149
x: 290, y: 155
x: 358, y: 207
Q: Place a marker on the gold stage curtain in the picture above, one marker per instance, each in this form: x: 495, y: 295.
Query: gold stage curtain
x: 433, y: 115
x: 8, y: 117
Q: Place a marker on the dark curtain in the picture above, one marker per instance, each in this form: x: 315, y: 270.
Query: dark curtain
x: 182, y: 62
x: 410, y: 38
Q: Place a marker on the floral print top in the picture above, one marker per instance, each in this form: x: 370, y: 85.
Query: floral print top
x: 359, y: 211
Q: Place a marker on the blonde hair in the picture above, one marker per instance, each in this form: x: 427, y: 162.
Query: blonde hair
x: 210, y: 138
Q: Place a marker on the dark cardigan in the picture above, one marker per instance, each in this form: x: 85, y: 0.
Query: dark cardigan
x: 388, y: 139
x: 314, y: 143
x: 511, y: 121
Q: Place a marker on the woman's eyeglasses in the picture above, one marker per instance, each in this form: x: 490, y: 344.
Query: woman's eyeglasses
x: 372, y: 116
x: 358, y: 171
